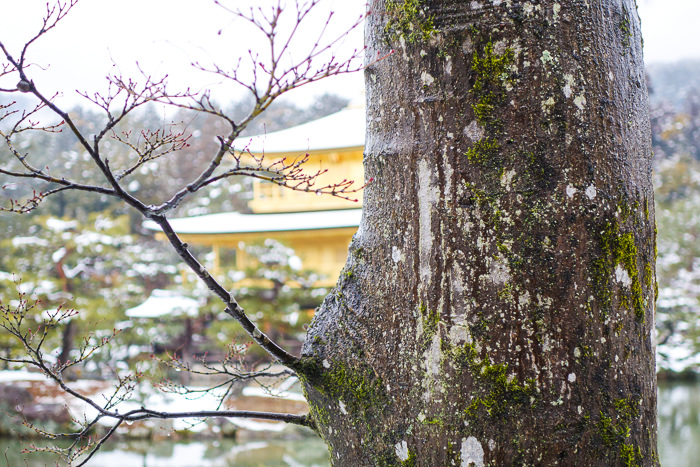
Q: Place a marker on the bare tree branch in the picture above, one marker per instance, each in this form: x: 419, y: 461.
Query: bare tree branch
x: 151, y: 145
x: 272, y: 77
x: 233, y: 308
x: 14, y: 320
x: 130, y: 95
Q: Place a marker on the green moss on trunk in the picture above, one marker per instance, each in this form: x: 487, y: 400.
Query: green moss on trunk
x: 410, y: 20
x: 619, y: 249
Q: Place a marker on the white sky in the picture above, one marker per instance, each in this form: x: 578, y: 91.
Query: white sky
x: 162, y: 39
x: 670, y: 29
x: 97, y: 34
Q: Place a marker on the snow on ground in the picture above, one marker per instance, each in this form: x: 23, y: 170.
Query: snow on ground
x: 164, y: 302
x: 145, y: 395
x: 281, y: 391
x: 252, y: 425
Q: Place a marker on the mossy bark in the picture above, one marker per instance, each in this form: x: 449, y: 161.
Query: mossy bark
x: 500, y: 308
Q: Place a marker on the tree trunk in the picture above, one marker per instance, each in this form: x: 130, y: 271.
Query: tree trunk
x: 497, y: 306
x: 67, y: 342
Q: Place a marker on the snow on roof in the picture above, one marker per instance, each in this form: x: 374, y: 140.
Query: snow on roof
x: 164, y: 302
x: 20, y: 375
x: 235, y: 222
x: 29, y: 241
x: 59, y: 225
x: 7, y: 276
x: 341, y: 130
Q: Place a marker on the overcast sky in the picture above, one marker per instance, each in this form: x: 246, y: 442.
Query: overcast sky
x: 97, y: 34
x: 670, y: 29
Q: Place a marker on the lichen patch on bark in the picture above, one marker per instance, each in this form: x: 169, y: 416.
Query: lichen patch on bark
x: 472, y: 452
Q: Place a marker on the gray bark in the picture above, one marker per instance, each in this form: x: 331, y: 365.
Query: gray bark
x: 497, y: 307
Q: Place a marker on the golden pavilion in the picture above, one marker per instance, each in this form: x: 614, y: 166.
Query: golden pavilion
x: 317, y: 228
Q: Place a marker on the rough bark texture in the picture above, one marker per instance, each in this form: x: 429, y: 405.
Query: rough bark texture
x: 497, y: 307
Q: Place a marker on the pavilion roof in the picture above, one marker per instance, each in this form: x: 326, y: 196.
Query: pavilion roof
x: 235, y: 222
x: 341, y: 130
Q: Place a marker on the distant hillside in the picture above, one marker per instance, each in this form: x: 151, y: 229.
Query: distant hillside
x: 675, y: 122
x: 673, y: 82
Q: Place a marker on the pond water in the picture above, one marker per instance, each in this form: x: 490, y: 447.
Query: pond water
x: 308, y: 452
x: 679, y: 444
x: 679, y: 424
